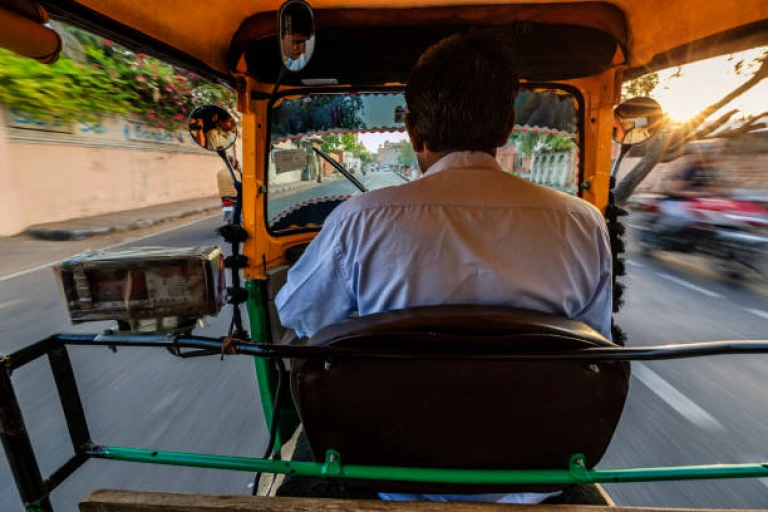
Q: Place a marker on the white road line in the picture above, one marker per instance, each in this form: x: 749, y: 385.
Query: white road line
x: 125, y: 242
x: 675, y: 399
x: 10, y: 303
x: 691, y: 286
x: 634, y: 264
x: 758, y: 312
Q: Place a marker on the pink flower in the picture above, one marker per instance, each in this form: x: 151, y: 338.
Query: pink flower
x: 168, y: 89
x: 141, y: 79
x: 107, y: 42
x: 151, y: 116
x: 141, y: 56
x: 178, y: 117
x: 154, y: 73
x: 191, y: 75
x: 160, y: 125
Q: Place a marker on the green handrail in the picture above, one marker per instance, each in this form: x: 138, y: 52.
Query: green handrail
x: 334, y: 468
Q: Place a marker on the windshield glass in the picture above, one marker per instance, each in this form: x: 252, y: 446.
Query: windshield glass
x: 322, y: 143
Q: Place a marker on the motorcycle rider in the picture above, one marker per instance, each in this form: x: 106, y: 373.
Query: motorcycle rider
x: 695, y: 179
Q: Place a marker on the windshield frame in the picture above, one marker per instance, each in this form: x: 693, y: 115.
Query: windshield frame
x: 300, y: 91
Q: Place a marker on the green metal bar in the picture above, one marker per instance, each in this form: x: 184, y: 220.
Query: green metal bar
x: 266, y: 377
x: 334, y: 468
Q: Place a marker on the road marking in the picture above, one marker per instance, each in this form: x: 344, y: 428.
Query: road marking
x: 691, y: 286
x: 675, y: 399
x: 10, y: 303
x: 758, y: 312
x: 634, y: 264
x: 125, y: 242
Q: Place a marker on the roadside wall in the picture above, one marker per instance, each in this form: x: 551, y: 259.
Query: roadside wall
x: 57, y: 171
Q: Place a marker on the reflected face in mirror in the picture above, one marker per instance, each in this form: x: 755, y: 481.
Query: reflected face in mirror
x: 294, y: 45
x: 212, y: 128
x: 297, y: 34
x: 636, y: 120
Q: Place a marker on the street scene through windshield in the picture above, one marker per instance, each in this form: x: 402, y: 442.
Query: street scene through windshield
x: 96, y: 153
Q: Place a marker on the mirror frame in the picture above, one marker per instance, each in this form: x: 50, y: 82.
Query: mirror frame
x: 641, y: 107
x: 195, y: 138
x: 310, y: 44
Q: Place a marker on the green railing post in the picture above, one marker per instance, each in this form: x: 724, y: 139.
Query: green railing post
x: 266, y: 375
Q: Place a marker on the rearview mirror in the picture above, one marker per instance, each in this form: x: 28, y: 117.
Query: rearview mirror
x: 297, y: 34
x: 636, y: 120
x: 212, y: 127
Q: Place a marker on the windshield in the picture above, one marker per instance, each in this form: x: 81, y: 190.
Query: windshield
x: 321, y: 144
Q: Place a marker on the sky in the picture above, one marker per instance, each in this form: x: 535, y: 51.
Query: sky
x: 372, y: 141
x: 704, y: 82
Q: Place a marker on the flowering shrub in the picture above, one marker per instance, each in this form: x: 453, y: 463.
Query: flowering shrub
x: 94, y: 77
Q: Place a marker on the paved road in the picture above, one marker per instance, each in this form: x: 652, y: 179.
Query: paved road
x: 340, y: 186
x: 698, y: 411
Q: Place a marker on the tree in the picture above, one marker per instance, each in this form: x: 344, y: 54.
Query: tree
x: 530, y: 141
x: 668, y: 145
x: 641, y: 86
x: 407, y: 155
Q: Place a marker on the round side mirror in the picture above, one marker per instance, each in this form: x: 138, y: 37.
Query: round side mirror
x: 297, y: 34
x: 212, y: 127
x: 636, y: 120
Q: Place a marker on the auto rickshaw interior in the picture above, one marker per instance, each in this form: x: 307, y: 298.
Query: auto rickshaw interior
x: 572, y: 59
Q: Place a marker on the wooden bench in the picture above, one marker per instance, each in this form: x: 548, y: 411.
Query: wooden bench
x: 139, y: 501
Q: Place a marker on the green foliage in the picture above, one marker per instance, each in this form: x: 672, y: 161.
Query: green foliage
x: 529, y: 142
x: 640, y: 86
x: 341, y: 142
x: 407, y: 155
x: 94, y: 77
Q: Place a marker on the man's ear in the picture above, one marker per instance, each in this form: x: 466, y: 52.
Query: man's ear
x: 410, y: 127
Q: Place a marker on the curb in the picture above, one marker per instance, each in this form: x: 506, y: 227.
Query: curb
x: 63, y: 235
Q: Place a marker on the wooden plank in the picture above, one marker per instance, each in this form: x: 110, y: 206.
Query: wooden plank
x: 139, y: 501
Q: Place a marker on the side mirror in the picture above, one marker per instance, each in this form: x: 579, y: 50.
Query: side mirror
x: 636, y: 120
x: 212, y: 127
x: 297, y: 34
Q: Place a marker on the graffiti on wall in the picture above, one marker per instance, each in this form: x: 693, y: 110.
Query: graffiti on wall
x: 144, y: 133
x: 108, y: 131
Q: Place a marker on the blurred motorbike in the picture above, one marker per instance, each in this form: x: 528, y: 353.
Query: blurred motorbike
x: 731, y: 231
x: 228, y: 207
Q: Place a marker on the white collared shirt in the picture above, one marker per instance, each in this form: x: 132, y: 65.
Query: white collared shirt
x: 465, y: 233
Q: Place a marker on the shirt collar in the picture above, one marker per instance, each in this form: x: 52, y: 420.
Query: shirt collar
x: 464, y: 160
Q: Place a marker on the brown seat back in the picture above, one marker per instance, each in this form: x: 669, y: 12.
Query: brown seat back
x: 460, y: 413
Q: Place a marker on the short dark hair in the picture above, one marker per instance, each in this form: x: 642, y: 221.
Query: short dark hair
x: 461, y: 93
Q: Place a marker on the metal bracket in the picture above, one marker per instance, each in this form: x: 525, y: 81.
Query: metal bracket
x: 578, y: 468
x: 332, y: 466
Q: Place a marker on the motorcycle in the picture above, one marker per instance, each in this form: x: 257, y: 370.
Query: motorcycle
x: 731, y: 231
x: 228, y: 207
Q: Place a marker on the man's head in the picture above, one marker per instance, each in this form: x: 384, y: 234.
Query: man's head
x: 226, y: 123
x: 298, y: 31
x: 461, y: 95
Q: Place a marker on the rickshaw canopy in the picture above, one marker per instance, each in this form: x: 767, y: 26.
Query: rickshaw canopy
x: 651, y: 34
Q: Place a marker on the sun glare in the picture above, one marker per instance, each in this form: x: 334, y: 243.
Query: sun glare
x: 703, y: 83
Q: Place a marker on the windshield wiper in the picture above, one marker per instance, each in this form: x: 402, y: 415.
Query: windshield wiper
x: 328, y: 158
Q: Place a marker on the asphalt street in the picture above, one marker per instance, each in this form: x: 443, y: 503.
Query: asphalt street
x: 701, y: 411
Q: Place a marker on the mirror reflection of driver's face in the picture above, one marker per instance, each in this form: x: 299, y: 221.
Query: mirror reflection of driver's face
x: 295, y: 45
x: 227, y: 124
